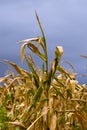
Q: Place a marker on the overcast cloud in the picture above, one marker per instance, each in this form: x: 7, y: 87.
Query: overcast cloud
x: 64, y: 23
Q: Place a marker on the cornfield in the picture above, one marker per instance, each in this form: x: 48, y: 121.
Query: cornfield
x: 42, y: 98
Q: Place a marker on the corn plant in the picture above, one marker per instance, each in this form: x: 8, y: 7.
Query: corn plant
x: 42, y: 98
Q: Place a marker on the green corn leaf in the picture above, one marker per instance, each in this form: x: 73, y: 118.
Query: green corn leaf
x: 36, y: 98
x: 62, y: 119
x: 77, y: 127
x: 38, y: 94
x: 54, y: 66
x: 43, y: 70
x: 57, y: 90
x: 52, y: 73
x: 49, y: 81
x: 44, y: 42
x: 36, y: 80
x: 69, y: 93
x: 17, y: 128
x: 59, y: 82
x: 34, y: 73
x: 63, y: 71
x: 7, y: 97
x: 40, y: 25
x: 30, y: 92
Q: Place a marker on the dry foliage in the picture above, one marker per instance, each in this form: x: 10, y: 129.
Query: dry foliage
x: 42, y: 99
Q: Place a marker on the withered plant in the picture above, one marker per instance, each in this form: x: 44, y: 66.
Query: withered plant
x: 42, y: 98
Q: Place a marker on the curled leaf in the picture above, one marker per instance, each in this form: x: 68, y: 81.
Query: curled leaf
x: 35, y: 50
x: 29, y: 40
x: 22, y: 51
x: 58, y: 52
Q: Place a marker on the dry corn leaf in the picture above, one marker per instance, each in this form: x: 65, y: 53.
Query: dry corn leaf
x: 44, y: 112
x: 16, y: 123
x: 18, y: 69
x: 14, y: 80
x: 53, y: 122
x: 29, y: 40
x: 22, y: 51
x: 35, y: 50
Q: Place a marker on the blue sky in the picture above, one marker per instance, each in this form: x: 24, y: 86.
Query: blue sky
x: 64, y: 23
